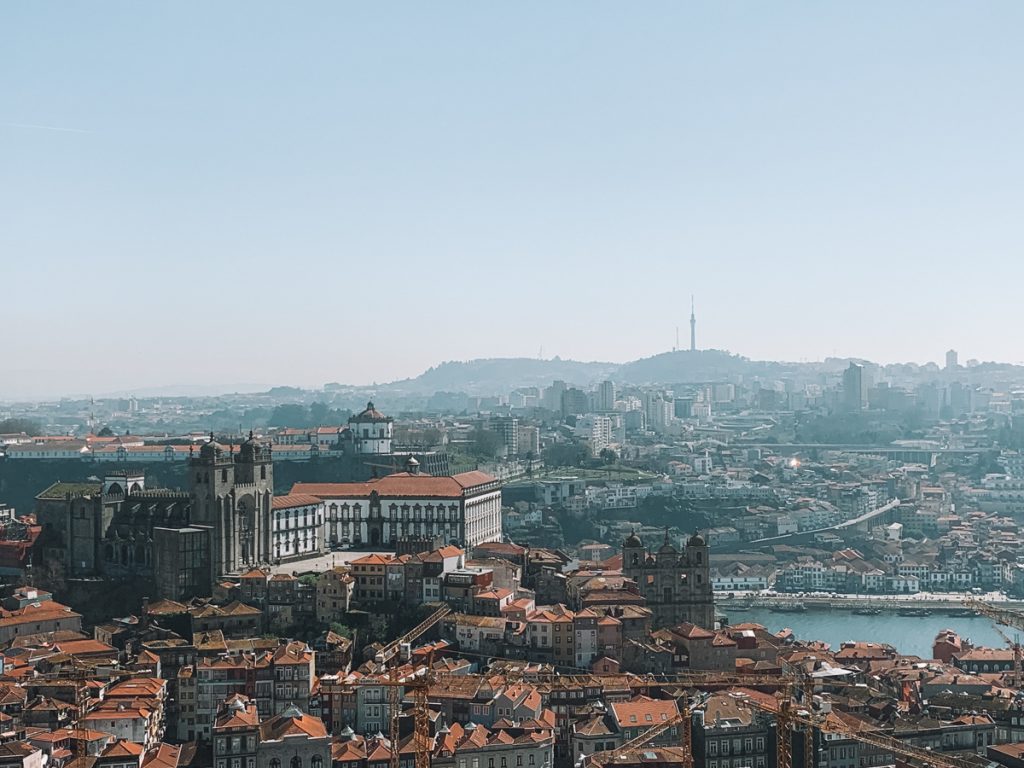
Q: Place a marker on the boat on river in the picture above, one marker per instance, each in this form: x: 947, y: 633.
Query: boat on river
x: 914, y: 612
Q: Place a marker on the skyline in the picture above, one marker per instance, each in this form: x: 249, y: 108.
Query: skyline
x: 187, y: 389
x: 208, y: 195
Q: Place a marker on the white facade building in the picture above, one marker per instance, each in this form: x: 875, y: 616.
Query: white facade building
x: 297, y: 526
x: 372, y: 432
x: 463, y: 509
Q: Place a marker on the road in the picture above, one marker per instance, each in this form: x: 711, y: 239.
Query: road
x: 324, y: 562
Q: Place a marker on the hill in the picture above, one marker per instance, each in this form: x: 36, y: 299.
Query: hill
x: 500, y: 374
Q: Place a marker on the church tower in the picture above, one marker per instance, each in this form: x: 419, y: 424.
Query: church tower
x: 253, y: 497
x: 211, y: 481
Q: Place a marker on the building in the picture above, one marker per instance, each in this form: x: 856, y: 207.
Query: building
x: 676, y: 585
x: 293, y: 739
x: 606, y: 396
x: 233, y: 495
x: 297, y: 527
x: 334, y: 588
x: 952, y: 362
x: 854, y: 389
x: 462, y: 509
x: 371, y: 432
x: 507, y: 428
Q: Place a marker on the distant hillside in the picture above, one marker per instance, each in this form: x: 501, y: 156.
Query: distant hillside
x: 683, y: 366
x: 501, y: 374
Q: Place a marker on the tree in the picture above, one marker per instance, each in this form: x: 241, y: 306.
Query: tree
x: 486, y: 444
x: 16, y: 425
x: 289, y: 415
x: 608, y: 456
x: 565, y: 455
x: 105, y: 432
x: 340, y: 629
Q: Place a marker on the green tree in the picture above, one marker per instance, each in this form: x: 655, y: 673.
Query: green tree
x: 340, y: 629
x: 15, y: 425
x: 486, y: 444
x: 105, y: 432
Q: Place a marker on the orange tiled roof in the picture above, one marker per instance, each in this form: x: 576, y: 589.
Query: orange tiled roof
x: 400, y: 484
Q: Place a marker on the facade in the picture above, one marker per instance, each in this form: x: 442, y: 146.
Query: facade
x: 233, y: 494
x: 297, y: 526
x: 463, y: 509
x: 371, y: 432
x: 676, y: 585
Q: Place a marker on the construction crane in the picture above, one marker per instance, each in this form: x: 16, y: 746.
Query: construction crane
x: 788, y: 717
x: 1005, y: 616
x: 389, y: 651
x: 1008, y: 618
x: 683, y: 718
x: 1015, y: 646
x: 395, y: 683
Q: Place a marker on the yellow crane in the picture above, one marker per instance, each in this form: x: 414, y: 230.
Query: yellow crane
x: 788, y: 716
x: 1008, y: 618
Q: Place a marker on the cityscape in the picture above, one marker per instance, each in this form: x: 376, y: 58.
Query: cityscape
x: 587, y: 571
x: 511, y: 385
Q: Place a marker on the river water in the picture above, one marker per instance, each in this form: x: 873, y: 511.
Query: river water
x: 912, y: 635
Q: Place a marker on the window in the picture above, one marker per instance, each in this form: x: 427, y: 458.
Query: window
x: 533, y: 760
x: 316, y: 762
x: 296, y: 762
x: 275, y: 763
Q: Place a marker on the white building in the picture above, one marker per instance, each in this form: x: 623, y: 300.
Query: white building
x: 596, y: 430
x: 297, y: 526
x: 463, y: 509
x: 371, y: 432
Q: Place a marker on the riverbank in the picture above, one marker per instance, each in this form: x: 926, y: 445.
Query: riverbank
x: 950, y: 604
x: 909, y: 635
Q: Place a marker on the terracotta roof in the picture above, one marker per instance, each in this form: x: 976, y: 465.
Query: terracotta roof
x: 292, y: 722
x: 643, y: 711
x: 295, y: 500
x: 400, y: 485
x: 163, y: 756
x: 122, y: 748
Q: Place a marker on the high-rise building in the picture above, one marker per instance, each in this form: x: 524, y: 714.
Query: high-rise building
x: 574, y: 402
x: 854, y: 395
x: 951, y: 360
x: 507, y: 427
x: 553, y: 395
x: 606, y: 396
x: 529, y: 441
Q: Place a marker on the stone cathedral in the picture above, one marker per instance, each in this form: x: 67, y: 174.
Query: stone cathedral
x: 233, y: 493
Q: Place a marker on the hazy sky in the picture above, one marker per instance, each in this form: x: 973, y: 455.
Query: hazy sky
x: 244, y: 192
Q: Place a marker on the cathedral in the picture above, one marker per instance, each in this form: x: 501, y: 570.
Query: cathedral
x: 233, y: 494
x: 676, y: 585
x: 184, y: 539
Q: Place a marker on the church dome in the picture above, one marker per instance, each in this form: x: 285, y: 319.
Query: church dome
x: 251, y: 449
x: 370, y: 413
x: 633, y: 541
x: 667, y: 549
x: 696, y: 540
x: 211, y: 449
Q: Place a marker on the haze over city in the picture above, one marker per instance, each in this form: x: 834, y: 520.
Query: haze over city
x: 238, y: 194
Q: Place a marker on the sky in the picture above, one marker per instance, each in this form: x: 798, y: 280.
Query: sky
x: 248, y: 193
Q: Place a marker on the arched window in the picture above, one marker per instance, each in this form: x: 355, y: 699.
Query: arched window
x: 316, y: 762
x: 275, y: 763
x: 296, y: 762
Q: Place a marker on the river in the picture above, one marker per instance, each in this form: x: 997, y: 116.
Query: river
x: 912, y: 635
